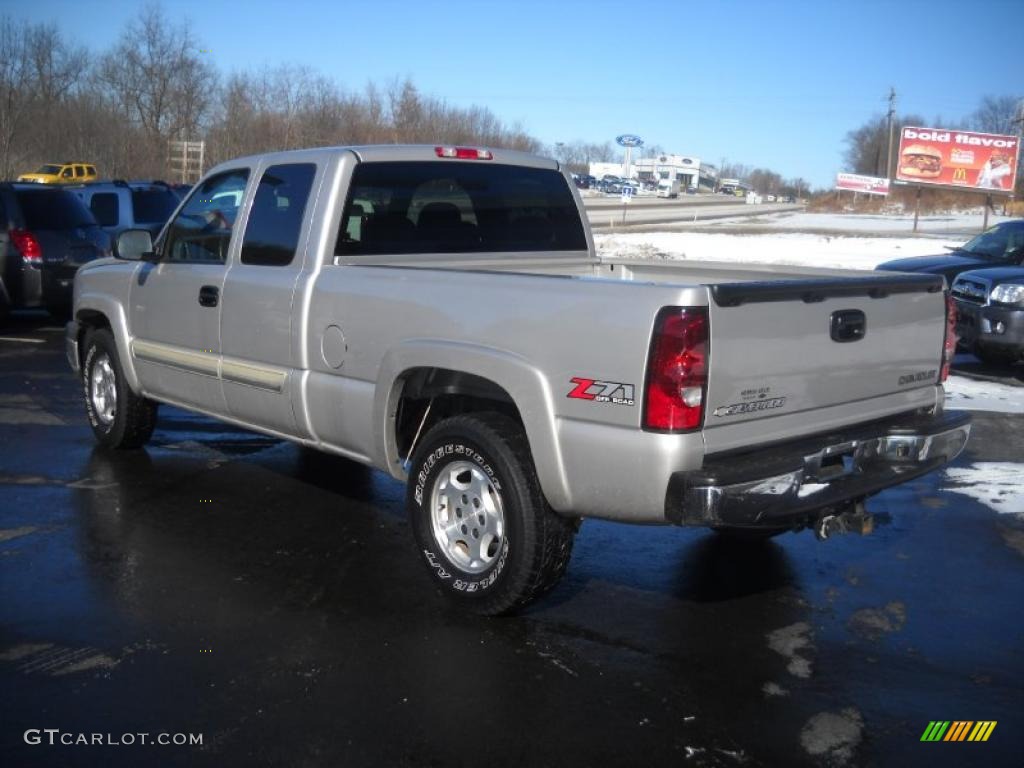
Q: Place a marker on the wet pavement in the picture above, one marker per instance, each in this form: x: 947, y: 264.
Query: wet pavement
x: 231, y: 585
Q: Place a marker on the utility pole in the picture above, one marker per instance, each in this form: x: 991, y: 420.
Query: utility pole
x: 892, y: 113
x: 1019, y: 121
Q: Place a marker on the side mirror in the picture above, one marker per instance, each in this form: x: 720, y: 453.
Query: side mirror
x: 135, y: 245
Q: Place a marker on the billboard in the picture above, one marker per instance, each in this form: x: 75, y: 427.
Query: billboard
x: 854, y: 182
x: 986, y: 162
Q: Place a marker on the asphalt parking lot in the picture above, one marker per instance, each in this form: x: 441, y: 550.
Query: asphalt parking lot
x: 227, y: 584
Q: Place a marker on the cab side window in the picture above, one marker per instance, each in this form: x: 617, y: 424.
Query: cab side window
x: 275, y: 221
x: 201, y: 232
x: 105, y: 207
x: 66, y: 173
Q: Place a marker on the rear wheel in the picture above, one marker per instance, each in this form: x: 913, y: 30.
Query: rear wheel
x: 119, y: 418
x: 486, y: 533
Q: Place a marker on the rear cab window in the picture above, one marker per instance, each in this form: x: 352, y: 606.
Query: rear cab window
x: 457, y: 207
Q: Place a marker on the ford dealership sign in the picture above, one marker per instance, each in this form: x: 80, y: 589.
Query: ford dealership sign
x: 629, y: 140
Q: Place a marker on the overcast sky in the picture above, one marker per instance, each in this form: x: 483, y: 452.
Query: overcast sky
x: 767, y: 83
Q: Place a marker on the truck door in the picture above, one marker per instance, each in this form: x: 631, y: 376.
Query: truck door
x: 259, y: 369
x: 175, y: 303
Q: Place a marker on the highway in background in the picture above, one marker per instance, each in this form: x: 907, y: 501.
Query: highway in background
x: 609, y: 212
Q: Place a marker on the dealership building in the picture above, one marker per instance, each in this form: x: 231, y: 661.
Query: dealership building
x: 688, y: 171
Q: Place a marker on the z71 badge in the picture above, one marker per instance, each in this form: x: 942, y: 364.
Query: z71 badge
x: 614, y: 392
x: 754, y: 405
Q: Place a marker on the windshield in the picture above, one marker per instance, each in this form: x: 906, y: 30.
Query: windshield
x: 53, y: 209
x: 48, y: 169
x: 997, y: 243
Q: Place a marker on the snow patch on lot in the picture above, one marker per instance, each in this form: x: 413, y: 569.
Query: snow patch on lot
x: 869, y: 222
x: 970, y: 395
x: 998, y: 485
x: 790, y: 249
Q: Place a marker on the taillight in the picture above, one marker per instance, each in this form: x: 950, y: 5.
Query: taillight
x: 28, y: 245
x: 949, y: 340
x: 677, y: 370
x: 464, y: 153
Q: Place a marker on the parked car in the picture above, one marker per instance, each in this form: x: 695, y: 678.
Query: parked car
x: 71, y: 172
x: 385, y: 303
x: 990, y: 313
x: 584, y: 181
x: 46, y: 234
x: 1001, y: 245
x: 120, y: 205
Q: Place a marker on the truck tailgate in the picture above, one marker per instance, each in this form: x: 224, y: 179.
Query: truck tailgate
x: 796, y: 346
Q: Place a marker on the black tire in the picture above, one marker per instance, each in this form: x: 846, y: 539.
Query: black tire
x: 131, y: 420
x: 490, y: 451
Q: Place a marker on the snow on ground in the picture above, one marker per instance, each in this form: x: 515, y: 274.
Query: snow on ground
x: 866, y: 222
x: 787, y: 248
x: 996, y: 484
x: 970, y: 395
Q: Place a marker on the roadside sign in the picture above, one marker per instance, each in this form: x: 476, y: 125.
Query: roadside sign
x: 629, y: 140
x: 627, y: 194
x: 983, y: 162
x: 871, y: 185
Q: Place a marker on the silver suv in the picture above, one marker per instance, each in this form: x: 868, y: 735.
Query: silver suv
x: 120, y: 205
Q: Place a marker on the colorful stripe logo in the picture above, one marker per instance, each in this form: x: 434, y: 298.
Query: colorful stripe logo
x: 958, y: 730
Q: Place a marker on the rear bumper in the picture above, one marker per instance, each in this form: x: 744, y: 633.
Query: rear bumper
x: 780, y: 485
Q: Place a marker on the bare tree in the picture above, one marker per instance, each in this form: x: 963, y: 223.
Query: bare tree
x: 15, y: 66
x: 159, y: 82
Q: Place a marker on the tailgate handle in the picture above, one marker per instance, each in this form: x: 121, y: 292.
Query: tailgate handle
x: 848, y: 325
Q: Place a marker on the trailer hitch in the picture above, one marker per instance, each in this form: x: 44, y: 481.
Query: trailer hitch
x: 853, y: 519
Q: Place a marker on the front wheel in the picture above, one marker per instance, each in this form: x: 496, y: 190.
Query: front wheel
x: 119, y: 418
x: 482, y: 525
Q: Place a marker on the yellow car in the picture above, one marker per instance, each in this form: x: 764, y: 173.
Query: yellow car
x: 61, y: 173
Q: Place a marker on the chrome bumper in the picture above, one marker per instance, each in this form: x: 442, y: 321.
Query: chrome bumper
x: 779, y: 485
x: 71, y: 345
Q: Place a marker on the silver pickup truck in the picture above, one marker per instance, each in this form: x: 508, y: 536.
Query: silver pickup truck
x: 440, y: 313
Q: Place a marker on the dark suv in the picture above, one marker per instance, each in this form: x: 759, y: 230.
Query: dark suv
x: 46, y: 233
x: 990, y: 313
x: 998, y: 246
x: 120, y: 205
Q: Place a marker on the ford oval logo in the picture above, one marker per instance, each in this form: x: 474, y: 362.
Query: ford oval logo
x: 629, y: 140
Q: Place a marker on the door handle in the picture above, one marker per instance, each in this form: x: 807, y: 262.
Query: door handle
x: 209, y: 295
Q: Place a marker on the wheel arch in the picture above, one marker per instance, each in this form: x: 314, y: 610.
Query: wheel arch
x: 465, y: 378
x: 93, y: 312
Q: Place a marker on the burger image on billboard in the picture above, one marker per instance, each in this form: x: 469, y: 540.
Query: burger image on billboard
x: 921, y: 161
